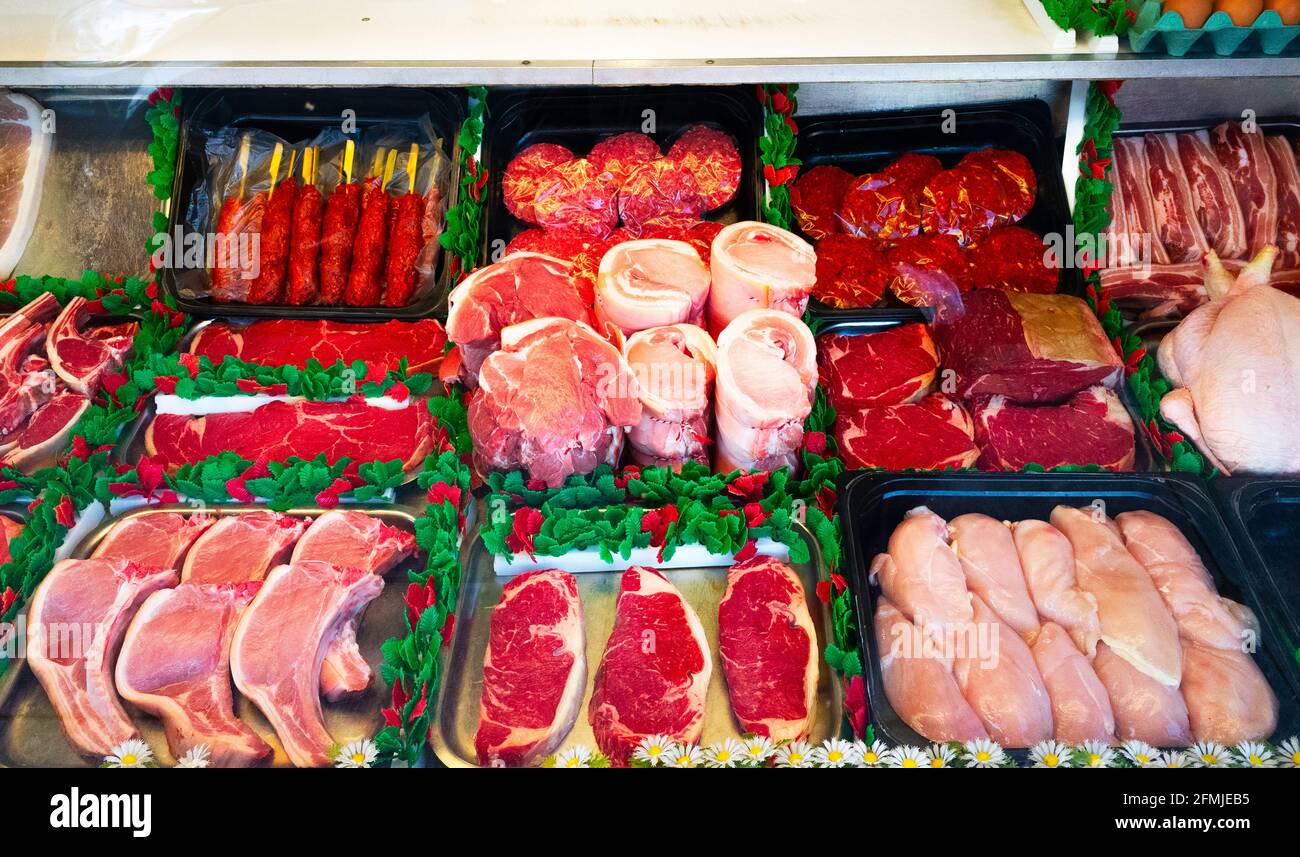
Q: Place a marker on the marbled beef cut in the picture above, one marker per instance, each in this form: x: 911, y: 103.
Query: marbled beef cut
x: 935, y: 433
x: 892, y: 367
x: 1093, y: 427
x: 284, y: 341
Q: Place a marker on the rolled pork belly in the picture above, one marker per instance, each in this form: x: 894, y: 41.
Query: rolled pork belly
x: 651, y: 283
x: 757, y: 266
x: 674, y: 366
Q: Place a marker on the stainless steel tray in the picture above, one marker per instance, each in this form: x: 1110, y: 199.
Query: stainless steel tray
x: 30, y: 733
x: 452, y: 737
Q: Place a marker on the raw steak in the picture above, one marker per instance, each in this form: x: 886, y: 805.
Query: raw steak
x: 175, y: 664
x: 1287, y: 172
x: 76, y: 621
x: 242, y: 547
x: 1001, y: 682
x: 160, y: 540
x: 1244, y: 155
x: 1135, y: 623
x: 521, y: 287
x: 351, y: 539
x: 47, y: 433
x: 651, y: 283
x: 935, y: 433
x: 1228, y: 699
x: 534, y: 670
x: 24, y: 153
x: 280, y: 430
x: 1030, y: 348
x: 920, y: 689
x: 1080, y: 708
x: 82, y: 354
x: 291, y: 341
x: 280, y: 642
x: 992, y: 567
x: 892, y: 367
x: 552, y: 401
x: 675, y: 368
x: 657, y: 689
x: 1145, y: 709
x: 757, y: 266
x: 1047, y: 558
x: 767, y: 372
x: 26, y: 381
x: 1177, y: 226
x: 1131, y: 175
x: 768, y: 647
x: 1091, y: 428
x: 1213, y: 196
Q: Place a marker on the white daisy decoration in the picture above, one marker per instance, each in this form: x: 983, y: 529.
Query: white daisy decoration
x: 1210, y: 754
x: 197, y: 756
x: 758, y: 749
x: 727, y: 753
x: 1140, y: 753
x: 908, y: 756
x: 835, y: 753
x: 1096, y: 754
x: 130, y: 754
x: 939, y: 756
x: 984, y: 753
x: 1255, y: 754
x: 684, y: 756
x: 873, y: 756
x: 1289, y: 753
x: 796, y: 754
x: 1174, y: 759
x: 357, y: 754
x: 1050, y: 754
x: 653, y: 749
x: 574, y: 757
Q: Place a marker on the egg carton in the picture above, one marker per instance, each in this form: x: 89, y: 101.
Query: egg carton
x: 1153, y: 30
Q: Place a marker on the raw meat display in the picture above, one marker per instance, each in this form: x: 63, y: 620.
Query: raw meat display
x: 582, y: 252
x: 1236, y: 367
x: 1228, y: 699
x: 1080, y: 707
x: 815, y: 198
x: 851, y: 271
x: 922, y: 575
x: 769, y: 649
x: 711, y: 156
x: 521, y: 287
x: 577, y: 196
x: 1145, y: 709
x: 161, y: 540
x: 892, y: 367
x: 102, y: 596
x: 659, y: 193
x: 25, y: 147
x: 1093, y: 427
x: 1176, y: 223
x: 290, y: 341
x: 241, y: 548
x: 280, y: 643
x: 175, y: 664
x: 82, y: 355
x: 279, y: 430
x: 1014, y: 259
x: 553, y: 401
x: 1132, y: 205
x: 650, y: 283
x: 26, y: 381
x: 988, y: 557
x: 675, y: 368
x: 1047, y: 559
x: 521, y: 181
x: 1214, y: 199
x: 1287, y: 173
x: 307, y: 221
x: 1029, y: 348
x: 534, y: 670
x: 642, y: 690
x: 935, y: 433
x: 758, y: 266
x: 767, y: 373
x: 621, y: 154
x: 1160, y: 290
x: 47, y: 433
x: 1243, y: 154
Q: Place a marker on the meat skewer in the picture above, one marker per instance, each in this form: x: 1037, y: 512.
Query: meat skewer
x: 304, y: 245
x: 229, y: 273
x: 268, y: 286
x: 364, y: 288
x: 342, y: 211
x: 405, y: 238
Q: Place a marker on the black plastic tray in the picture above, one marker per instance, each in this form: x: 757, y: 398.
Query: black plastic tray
x: 865, y: 142
x: 297, y: 114
x: 860, y: 321
x: 1264, y: 516
x: 871, y: 505
x: 581, y: 117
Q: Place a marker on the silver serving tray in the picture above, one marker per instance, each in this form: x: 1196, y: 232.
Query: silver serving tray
x: 452, y: 736
x: 30, y: 732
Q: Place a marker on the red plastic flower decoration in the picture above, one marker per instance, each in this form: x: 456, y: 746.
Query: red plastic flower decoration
x: 527, y: 524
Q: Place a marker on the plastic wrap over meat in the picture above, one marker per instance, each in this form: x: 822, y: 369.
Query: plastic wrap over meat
x: 522, y: 179
x: 881, y: 206
x: 1014, y: 259
x: 1288, y: 201
x: 1177, y: 225
x: 675, y: 367
x: 711, y: 156
x: 649, y: 283
x: 621, y: 154
x: 1244, y: 155
x: 851, y: 271
x: 1016, y: 175
x: 661, y: 192
x: 1213, y: 196
x: 966, y: 202
x: 239, y: 176
x: 755, y: 265
x: 577, y: 196
x: 816, y: 196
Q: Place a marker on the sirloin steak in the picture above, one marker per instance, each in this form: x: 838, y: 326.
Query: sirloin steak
x: 534, y: 670
x: 655, y: 671
x: 769, y: 649
x: 892, y: 367
x: 1092, y: 428
x: 935, y: 433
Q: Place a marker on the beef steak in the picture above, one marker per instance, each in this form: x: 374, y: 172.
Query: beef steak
x: 933, y: 434
x: 292, y: 341
x: 1092, y: 428
x: 891, y: 367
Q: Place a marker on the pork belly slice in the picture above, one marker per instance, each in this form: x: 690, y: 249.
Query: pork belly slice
x: 650, y: 283
x: 1244, y: 155
x: 757, y: 266
x: 675, y: 366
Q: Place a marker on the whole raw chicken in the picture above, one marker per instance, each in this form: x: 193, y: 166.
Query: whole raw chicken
x: 1236, y: 364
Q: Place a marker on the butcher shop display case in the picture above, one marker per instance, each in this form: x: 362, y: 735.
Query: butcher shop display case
x: 565, y: 385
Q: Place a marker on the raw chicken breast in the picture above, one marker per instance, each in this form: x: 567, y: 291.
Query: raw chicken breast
x: 650, y: 283
x: 988, y: 557
x: 1185, y: 584
x: 922, y: 575
x: 1145, y: 709
x: 1135, y: 622
x: 675, y: 367
x: 1080, y: 707
x: 1001, y: 682
x: 756, y: 266
x: 1228, y: 698
x: 1047, y: 559
x: 922, y: 691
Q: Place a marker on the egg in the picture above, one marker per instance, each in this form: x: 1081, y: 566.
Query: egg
x: 1287, y: 10
x: 1193, y: 12
x: 1242, y: 12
